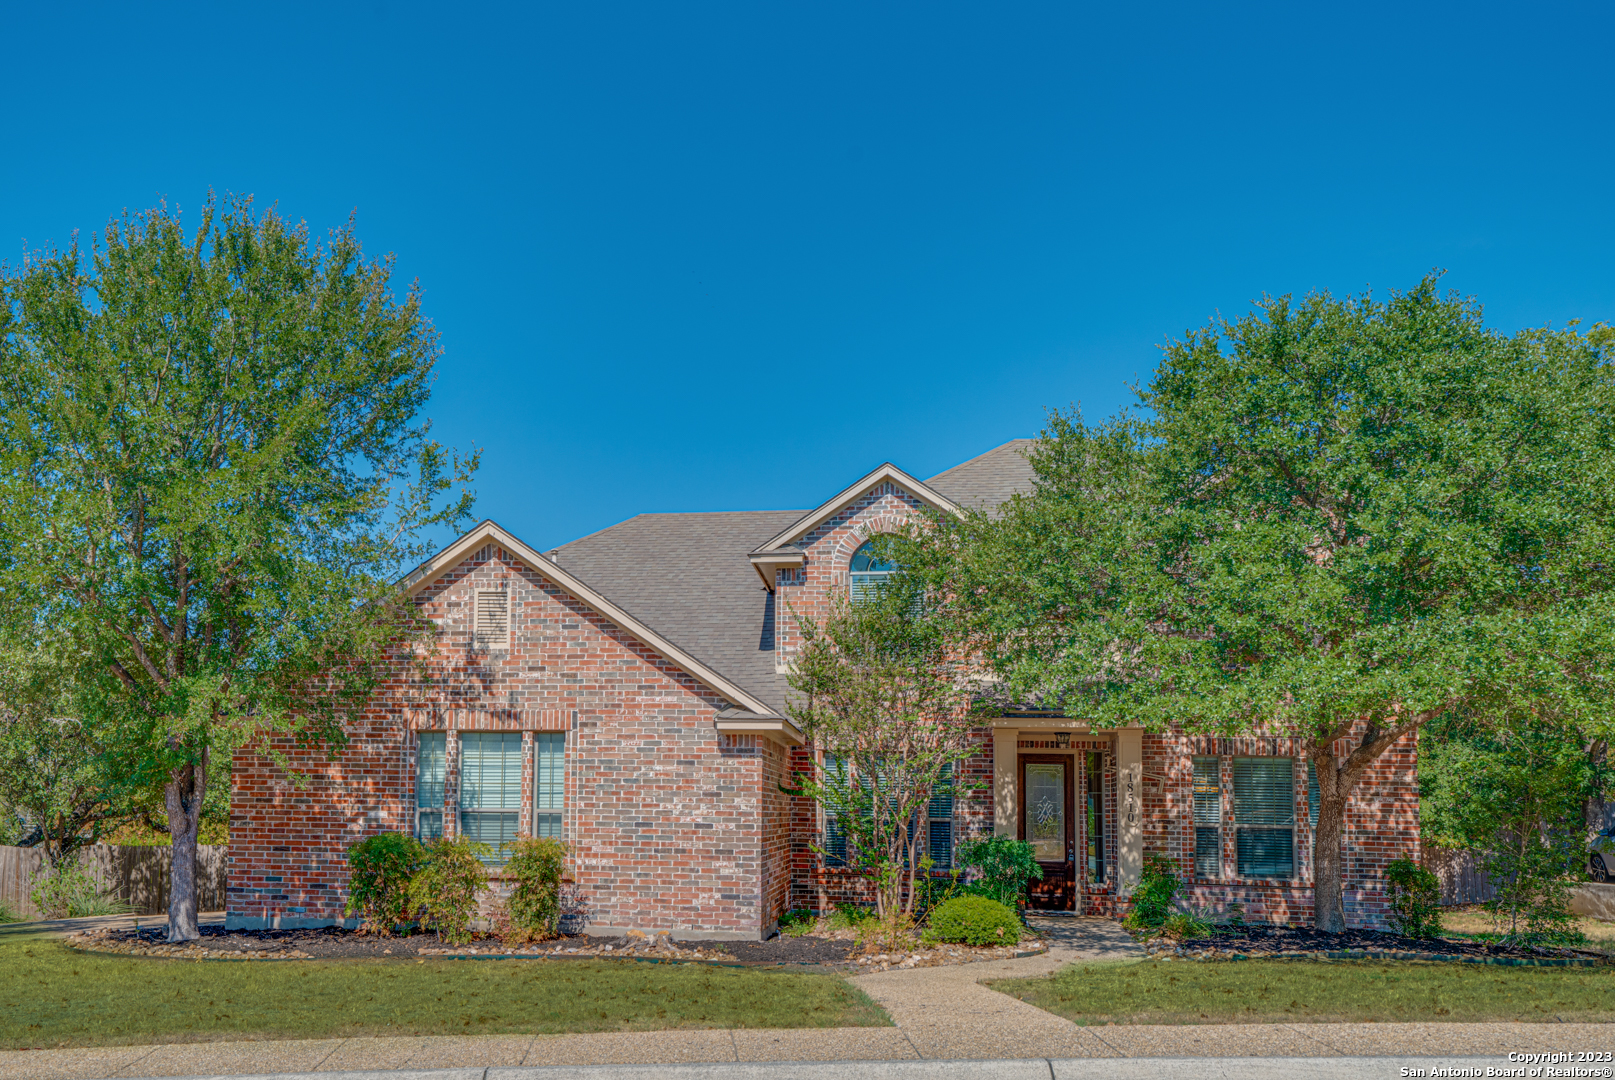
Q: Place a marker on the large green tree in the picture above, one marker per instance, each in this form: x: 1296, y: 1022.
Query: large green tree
x: 211, y: 464
x: 1333, y: 519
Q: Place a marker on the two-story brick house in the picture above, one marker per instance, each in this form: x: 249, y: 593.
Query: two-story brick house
x: 626, y: 692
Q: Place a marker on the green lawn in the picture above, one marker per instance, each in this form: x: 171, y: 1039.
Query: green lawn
x: 52, y: 996
x: 1257, y: 991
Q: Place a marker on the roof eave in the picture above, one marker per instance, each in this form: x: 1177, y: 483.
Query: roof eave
x: 767, y: 562
x: 769, y: 725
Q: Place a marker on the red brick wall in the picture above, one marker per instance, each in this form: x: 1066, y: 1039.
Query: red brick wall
x: 287, y: 842
x: 1382, y: 824
x: 665, y: 818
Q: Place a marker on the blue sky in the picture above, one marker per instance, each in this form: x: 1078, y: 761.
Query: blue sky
x: 707, y: 257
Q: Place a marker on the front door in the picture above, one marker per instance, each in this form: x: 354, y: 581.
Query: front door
x: 1046, y: 822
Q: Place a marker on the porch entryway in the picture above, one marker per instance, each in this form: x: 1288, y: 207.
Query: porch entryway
x: 1072, y: 795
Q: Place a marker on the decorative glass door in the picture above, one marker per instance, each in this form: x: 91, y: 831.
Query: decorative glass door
x: 1046, y: 824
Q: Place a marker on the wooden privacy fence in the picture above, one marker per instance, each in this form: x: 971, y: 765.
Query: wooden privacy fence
x: 1462, y: 879
x: 136, y: 875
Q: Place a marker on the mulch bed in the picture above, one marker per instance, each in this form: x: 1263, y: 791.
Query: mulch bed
x: 336, y: 943
x: 781, y: 949
x: 1263, y: 942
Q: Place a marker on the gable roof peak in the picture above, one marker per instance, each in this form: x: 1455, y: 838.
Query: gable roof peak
x: 489, y: 531
x: 886, y: 472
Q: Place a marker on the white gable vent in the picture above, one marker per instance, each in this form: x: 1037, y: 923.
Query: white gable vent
x: 492, y: 619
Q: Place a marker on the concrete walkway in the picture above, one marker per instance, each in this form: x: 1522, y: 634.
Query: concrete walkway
x: 940, y: 1014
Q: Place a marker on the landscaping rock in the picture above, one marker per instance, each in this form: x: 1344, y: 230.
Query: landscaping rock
x: 1240, y: 942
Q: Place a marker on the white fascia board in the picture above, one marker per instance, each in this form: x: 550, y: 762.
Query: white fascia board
x: 887, y: 472
x: 490, y: 532
x: 768, y: 562
x: 781, y: 731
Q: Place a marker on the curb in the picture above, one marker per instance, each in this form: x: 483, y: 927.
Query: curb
x: 1272, y: 1068
x: 1433, y: 958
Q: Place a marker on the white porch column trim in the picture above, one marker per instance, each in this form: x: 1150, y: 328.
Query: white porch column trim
x: 1129, y: 808
x: 1004, y: 756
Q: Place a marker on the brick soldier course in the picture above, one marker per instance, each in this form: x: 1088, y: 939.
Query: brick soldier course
x: 648, y: 662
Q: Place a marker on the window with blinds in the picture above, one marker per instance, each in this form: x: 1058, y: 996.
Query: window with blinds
x: 939, y: 819
x: 1264, y: 817
x: 491, y: 787
x: 492, y: 619
x: 549, y: 782
x: 835, y: 841
x: 430, y: 756
x: 838, y: 772
x: 1207, y: 818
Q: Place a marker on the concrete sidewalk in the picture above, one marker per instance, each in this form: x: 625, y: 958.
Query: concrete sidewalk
x: 1112, y: 1048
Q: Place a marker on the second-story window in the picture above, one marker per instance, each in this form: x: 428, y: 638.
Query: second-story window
x: 867, y: 574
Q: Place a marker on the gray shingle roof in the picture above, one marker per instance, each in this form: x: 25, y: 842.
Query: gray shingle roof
x: 984, y: 482
x: 687, y: 577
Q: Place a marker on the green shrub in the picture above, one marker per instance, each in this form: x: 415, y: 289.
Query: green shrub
x: 1153, y: 895
x: 974, y: 920
x: 445, y: 888
x: 933, y: 889
x: 380, y: 869
x: 894, y: 933
x: 7, y: 915
x: 1186, y: 926
x: 534, y: 906
x: 68, y: 891
x: 1415, y: 899
x: 1003, y: 866
x: 798, y: 922
x: 850, y: 917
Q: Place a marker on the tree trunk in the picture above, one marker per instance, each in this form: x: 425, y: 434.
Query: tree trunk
x: 182, y: 797
x: 1335, y: 781
x: 1328, y: 886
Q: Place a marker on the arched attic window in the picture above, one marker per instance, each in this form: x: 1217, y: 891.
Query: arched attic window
x: 867, y: 574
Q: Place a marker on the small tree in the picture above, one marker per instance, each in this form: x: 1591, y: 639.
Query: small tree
x: 59, y: 781
x: 1515, y: 794
x: 880, y: 695
x: 211, y: 467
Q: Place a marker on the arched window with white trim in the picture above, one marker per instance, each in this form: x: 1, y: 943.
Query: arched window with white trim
x: 867, y: 574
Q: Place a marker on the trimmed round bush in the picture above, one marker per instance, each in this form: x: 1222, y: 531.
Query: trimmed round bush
x: 974, y: 920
